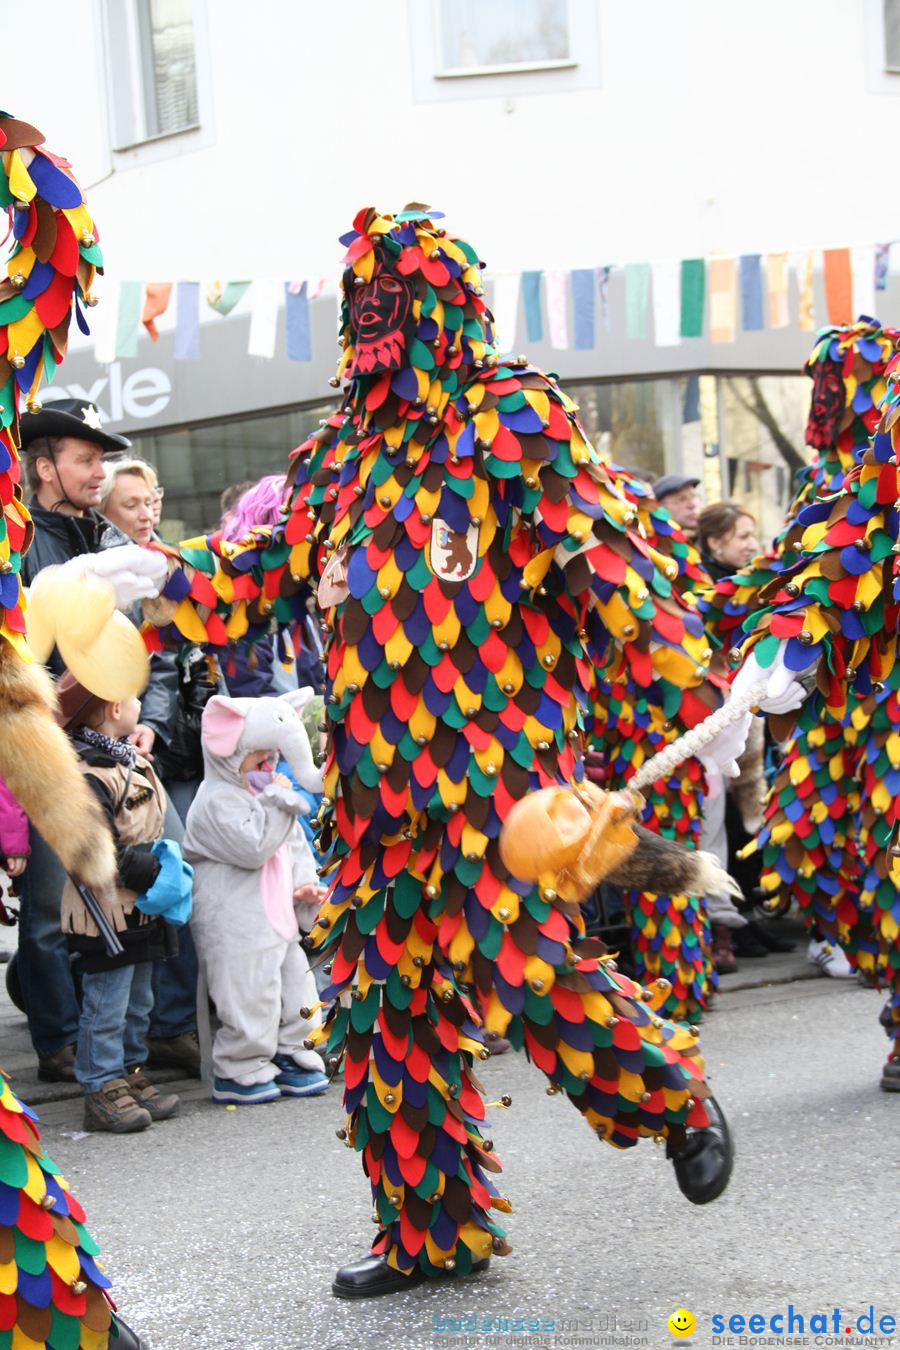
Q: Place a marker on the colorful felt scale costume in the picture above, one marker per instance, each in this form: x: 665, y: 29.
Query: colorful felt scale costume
x: 52, y: 1292
x: 830, y: 829
x: 474, y: 559
x: 628, y: 722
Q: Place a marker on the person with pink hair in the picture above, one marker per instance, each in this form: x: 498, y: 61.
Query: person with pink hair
x: 258, y: 672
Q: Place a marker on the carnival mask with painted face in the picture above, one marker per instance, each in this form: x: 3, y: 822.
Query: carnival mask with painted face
x: 382, y: 324
x: 827, y: 407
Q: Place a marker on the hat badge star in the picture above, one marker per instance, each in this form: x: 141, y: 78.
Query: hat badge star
x: 91, y: 417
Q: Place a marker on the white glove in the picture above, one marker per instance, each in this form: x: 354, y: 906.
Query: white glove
x: 784, y: 691
x: 725, y: 749
x: 135, y: 573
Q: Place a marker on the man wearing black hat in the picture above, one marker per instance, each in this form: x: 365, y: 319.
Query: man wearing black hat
x: 678, y: 494
x: 64, y: 451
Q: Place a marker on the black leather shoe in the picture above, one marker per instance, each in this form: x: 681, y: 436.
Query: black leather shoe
x: 703, y: 1168
x: 890, y: 1076
x: 121, y: 1337
x: 373, y: 1276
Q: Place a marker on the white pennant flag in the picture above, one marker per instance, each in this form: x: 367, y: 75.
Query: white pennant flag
x: 862, y: 263
x: 505, y: 309
x: 267, y: 297
x: 103, y: 321
x: 666, y: 302
x: 558, y: 308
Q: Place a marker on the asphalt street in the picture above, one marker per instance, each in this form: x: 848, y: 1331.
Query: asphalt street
x: 223, y: 1228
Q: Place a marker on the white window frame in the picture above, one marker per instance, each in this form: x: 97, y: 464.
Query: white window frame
x: 880, y: 78
x: 505, y: 68
x: 433, y: 81
x: 123, y: 48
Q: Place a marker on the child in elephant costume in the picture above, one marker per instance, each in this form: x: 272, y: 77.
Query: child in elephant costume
x: 254, y: 875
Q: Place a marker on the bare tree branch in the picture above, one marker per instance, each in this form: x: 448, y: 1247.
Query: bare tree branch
x: 760, y: 409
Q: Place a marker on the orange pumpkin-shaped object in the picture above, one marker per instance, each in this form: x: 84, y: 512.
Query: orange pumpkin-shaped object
x: 576, y: 836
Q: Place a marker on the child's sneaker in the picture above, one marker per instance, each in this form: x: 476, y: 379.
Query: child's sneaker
x: 293, y: 1081
x: 160, y: 1106
x: 226, y: 1090
x: 114, y: 1110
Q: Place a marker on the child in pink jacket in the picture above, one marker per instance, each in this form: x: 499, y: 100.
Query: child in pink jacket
x: 14, y: 847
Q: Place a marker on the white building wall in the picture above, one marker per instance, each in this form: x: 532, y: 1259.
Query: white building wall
x: 716, y: 127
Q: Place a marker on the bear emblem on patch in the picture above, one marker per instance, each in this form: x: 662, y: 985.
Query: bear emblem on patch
x: 454, y: 555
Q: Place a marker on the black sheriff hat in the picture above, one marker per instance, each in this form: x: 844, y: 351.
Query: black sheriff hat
x: 76, y: 417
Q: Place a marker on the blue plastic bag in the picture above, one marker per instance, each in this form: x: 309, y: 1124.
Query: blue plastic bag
x: 171, y: 893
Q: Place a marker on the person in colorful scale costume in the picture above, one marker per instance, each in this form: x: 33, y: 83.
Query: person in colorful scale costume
x: 627, y: 723
x: 52, y: 1291
x: 830, y: 830
x: 474, y: 559
x: 813, y: 815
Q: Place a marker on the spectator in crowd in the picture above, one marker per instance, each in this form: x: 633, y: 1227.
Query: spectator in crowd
x: 180, y: 684
x: 15, y: 848
x: 258, y: 671
x: 65, y: 450
x: 726, y: 538
x: 678, y: 494
x: 117, y: 992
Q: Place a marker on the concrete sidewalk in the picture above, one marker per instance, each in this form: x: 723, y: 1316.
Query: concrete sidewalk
x: 18, y: 1060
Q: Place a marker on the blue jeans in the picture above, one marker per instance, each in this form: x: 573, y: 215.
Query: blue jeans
x: 115, y: 1014
x: 45, y: 973
x: 175, y: 980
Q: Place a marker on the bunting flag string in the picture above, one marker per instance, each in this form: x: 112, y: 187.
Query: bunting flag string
x: 666, y: 301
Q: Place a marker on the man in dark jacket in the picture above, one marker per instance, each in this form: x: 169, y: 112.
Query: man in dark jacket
x: 64, y: 448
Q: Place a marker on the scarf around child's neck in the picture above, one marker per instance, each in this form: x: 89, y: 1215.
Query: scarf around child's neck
x: 122, y: 751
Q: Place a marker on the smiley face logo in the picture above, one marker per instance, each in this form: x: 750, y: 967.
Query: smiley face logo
x: 682, y: 1323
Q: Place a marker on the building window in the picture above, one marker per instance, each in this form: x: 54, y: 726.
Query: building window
x: 892, y: 35
x: 504, y: 36
x: 153, y: 76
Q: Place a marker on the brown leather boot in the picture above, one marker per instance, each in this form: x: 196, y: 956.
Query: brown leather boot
x: 176, y: 1052
x: 114, y: 1110
x: 150, y: 1097
x: 722, y: 950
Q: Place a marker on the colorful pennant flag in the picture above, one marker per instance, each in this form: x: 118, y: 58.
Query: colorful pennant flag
x: 583, y: 308
x: 296, y: 322
x: 505, y: 308
x: 666, y: 302
x: 807, y: 315
x: 603, y: 287
x: 693, y: 297
x: 264, y: 319
x: 751, y: 293
x: 558, y: 308
x: 531, y: 296
x: 128, y: 318
x: 838, y: 285
x: 222, y: 297
x: 156, y: 302
x: 862, y: 269
x: 722, y: 299
x: 187, y: 321
x: 637, y: 292
x: 777, y: 289
x: 882, y: 266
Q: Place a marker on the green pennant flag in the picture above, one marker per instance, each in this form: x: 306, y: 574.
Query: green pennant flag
x: 223, y: 296
x: 693, y: 296
x: 128, y: 318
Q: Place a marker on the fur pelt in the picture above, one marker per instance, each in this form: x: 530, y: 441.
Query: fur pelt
x: 749, y: 788
x: 41, y: 768
x: 666, y: 868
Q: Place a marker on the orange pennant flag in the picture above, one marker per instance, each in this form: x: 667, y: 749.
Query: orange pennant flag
x: 722, y: 299
x: 777, y: 288
x: 838, y: 285
x: 156, y: 302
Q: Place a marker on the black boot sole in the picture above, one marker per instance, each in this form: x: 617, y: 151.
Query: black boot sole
x: 392, y: 1282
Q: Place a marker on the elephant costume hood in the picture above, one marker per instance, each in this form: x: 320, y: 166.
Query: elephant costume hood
x: 233, y: 727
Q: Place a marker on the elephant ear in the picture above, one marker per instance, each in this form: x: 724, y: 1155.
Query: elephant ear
x: 222, y: 725
x: 298, y: 698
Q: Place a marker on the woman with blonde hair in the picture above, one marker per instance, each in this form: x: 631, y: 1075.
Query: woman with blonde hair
x: 131, y: 498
